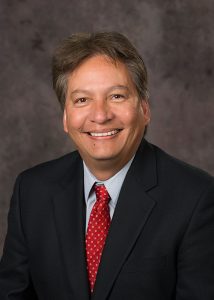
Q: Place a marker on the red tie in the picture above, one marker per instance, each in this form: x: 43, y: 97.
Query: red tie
x: 97, y: 231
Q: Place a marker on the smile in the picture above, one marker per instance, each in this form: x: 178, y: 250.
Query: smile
x: 103, y: 134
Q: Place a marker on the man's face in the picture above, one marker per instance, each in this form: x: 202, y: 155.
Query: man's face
x: 103, y: 114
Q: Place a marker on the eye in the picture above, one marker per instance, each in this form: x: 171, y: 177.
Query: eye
x: 118, y: 96
x: 80, y: 101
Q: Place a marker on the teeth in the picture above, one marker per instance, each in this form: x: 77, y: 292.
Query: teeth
x: 104, y: 133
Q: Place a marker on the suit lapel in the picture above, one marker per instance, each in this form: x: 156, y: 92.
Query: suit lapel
x: 132, y: 211
x: 69, y: 211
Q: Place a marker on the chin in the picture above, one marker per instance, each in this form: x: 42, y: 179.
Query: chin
x: 104, y: 156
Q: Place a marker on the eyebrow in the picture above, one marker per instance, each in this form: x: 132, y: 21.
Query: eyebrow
x: 115, y: 87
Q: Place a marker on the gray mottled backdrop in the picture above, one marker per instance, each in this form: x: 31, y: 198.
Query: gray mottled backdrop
x: 176, y: 39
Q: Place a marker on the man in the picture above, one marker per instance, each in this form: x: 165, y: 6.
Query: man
x: 119, y: 218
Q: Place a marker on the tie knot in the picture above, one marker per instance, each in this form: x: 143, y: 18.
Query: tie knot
x: 101, y: 192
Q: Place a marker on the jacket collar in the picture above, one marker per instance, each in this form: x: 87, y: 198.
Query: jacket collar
x: 69, y: 213
x: 126, y: 225
x: 133, y: 209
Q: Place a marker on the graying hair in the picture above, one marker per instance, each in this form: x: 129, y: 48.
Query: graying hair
x: 77, y: 48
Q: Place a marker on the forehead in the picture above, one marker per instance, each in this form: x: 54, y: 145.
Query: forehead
x: 100, y: 69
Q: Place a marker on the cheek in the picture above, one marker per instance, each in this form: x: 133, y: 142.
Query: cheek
x: 130, y: 117
x: 75, y: 120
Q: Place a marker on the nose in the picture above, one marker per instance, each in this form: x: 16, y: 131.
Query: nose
x: 101, y: 112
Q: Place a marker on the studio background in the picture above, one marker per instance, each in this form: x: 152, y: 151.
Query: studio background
x: 176, y: 40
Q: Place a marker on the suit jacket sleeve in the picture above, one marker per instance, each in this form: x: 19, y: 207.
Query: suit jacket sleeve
x: 15, y: 280
x: 195, y: 269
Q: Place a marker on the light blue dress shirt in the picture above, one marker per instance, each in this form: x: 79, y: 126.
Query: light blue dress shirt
x: 113, y: 186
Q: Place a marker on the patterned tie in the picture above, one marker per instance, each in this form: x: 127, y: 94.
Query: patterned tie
x: 97, y: 231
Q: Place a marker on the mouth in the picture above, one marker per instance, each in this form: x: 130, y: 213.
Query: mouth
x: 104, y: 134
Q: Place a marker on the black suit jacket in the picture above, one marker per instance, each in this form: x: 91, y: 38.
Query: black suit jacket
x: 160, y: 245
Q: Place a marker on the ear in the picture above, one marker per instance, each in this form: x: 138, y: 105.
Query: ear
x: 146, y: 111
x: 65, y: 121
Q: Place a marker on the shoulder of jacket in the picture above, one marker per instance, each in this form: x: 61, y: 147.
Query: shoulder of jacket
x: 51, y: 169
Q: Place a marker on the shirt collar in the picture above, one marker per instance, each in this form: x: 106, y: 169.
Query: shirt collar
x: 113, y: 184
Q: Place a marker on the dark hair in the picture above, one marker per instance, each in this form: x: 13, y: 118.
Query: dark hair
x: 80, y: 46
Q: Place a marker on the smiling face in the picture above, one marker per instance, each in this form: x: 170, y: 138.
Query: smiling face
x: 104, y: 115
